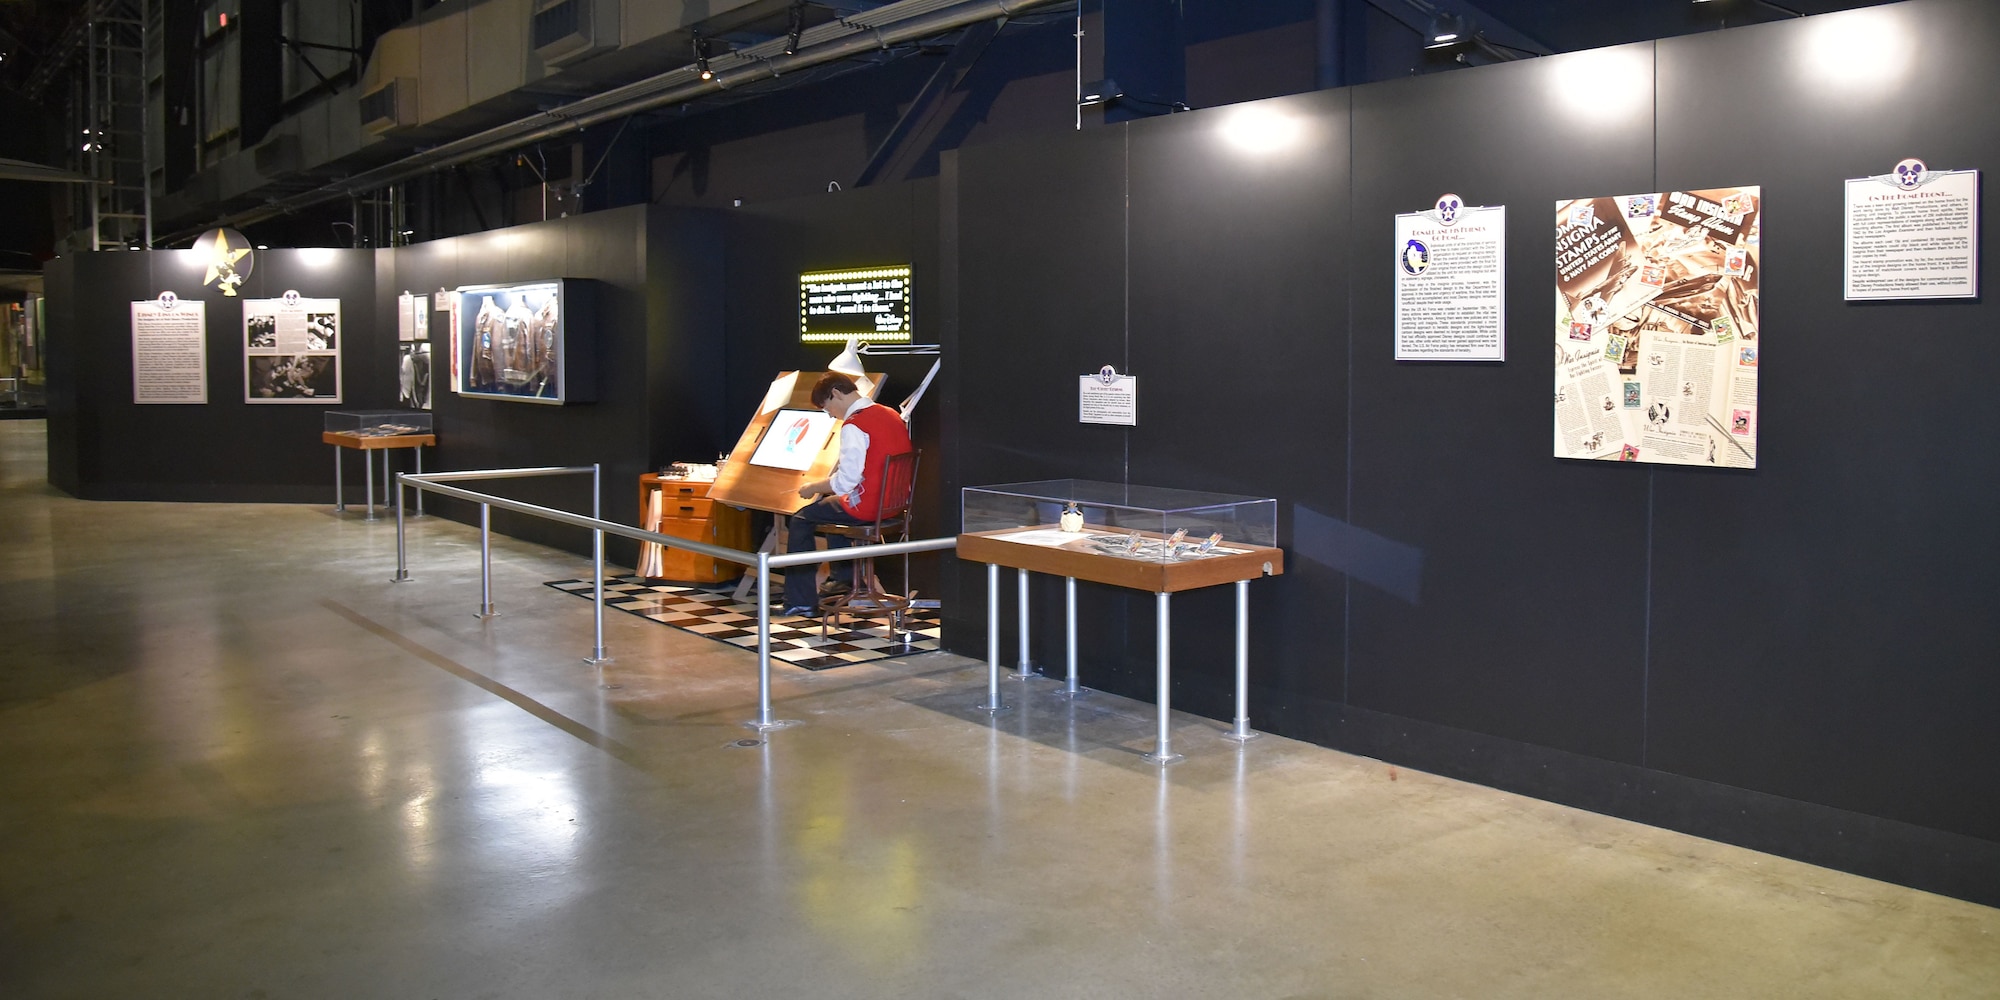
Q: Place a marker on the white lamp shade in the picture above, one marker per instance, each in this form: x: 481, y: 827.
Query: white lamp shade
x: 848, y: 362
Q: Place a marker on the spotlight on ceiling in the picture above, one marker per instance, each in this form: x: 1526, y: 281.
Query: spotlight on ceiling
x: 1098, y: 92
x: 1448, y: 31
x: 796, y: 28
x: 1767, y: 4
x: 701, y: 58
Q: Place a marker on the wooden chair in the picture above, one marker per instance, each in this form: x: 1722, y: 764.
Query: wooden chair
x: 866, y: 598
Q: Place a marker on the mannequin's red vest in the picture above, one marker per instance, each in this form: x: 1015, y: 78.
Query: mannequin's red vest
x: 887, y: 435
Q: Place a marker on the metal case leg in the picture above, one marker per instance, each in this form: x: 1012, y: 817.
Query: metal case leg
x: 993, y: 704
x: 1242, y: 733
x: 1026, y: 666
x: 1163, y: 751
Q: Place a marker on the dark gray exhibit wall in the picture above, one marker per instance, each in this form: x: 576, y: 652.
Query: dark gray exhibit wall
x: 1524, y: 612
x: 103, y: 446
x: 651, y: 274
x: 1040, y: 246
x: 654, y: 333
x: 1823, y: 628
x: 1223, y: 341
x: 1796, y: 658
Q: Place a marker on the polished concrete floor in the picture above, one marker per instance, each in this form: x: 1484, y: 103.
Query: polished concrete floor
x: 236, y: 761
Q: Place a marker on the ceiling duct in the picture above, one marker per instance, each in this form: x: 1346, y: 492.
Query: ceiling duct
x: 855, y: 35
x: 390, y: 106
x: 569, y: 31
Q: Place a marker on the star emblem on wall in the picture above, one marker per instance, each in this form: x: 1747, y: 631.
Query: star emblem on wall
x: 228, y: 257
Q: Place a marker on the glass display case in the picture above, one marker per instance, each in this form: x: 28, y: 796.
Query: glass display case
x: 377, y: 423
x: 1140, y: 537
x: 1142, y: 523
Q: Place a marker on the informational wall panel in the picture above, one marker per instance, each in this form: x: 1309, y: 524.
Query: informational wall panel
x: 291, y: 350
x: 1657, y: 327
x: 1451, y: 282
x: 169, y: 352
x: 1913, y: 233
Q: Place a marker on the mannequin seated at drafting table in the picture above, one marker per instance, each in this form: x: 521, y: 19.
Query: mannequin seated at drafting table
x: 869, y: 434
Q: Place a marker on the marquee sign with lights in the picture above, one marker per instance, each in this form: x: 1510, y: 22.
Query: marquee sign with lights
x: 870, y: 304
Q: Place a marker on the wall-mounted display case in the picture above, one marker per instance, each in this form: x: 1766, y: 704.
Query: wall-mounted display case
x: 526, y: 342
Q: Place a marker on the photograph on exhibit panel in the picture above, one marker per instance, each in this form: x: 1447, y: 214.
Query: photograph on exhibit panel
x: 291, y: 350
x: 413, y: 375
x: 1657, y: 327
x: 306, y: 378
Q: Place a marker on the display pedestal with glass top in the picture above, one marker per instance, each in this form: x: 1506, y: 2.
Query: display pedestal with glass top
x: 1140, y: 537
x: 379, y: 431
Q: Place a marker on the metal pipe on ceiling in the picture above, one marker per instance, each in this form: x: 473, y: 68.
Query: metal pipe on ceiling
x: 876, y: 30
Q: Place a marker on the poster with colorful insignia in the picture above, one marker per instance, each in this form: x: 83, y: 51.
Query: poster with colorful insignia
x: 1657, y: 327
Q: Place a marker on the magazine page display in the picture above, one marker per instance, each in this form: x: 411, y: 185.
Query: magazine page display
x: 291, y: 350
x: 1450, y: 283
x: 1913, y: 233
x: 1657, y: 327
x: 169, y: 350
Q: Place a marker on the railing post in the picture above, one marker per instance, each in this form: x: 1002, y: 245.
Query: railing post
x: 597, y: 656
x: 763, y: 723
x: 486, y: 562
x: 402, y: 553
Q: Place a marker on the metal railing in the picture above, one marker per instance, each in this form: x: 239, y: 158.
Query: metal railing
x: 434, y: 482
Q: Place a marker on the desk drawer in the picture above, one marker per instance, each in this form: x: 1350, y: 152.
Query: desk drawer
x: 676, y: 489
x: 673, y: 506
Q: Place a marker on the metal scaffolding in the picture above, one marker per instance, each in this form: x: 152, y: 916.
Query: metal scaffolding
x: 107, y: 118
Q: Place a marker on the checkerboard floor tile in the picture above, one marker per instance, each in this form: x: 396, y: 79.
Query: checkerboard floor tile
x: 794, y: 640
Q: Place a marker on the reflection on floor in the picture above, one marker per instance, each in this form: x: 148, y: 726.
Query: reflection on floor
x: 794, y: 640
x: 237, y: 761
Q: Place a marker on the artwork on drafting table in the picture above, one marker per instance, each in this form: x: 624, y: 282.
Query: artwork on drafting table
x: 794, y: 440
x: 525, y: 342
x: 291, y: 350
x: 1657, y: 334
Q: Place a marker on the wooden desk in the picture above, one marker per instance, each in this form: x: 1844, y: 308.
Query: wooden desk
x: 687, y: 512
x: 384, y: 443
x: 1081, y: 560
